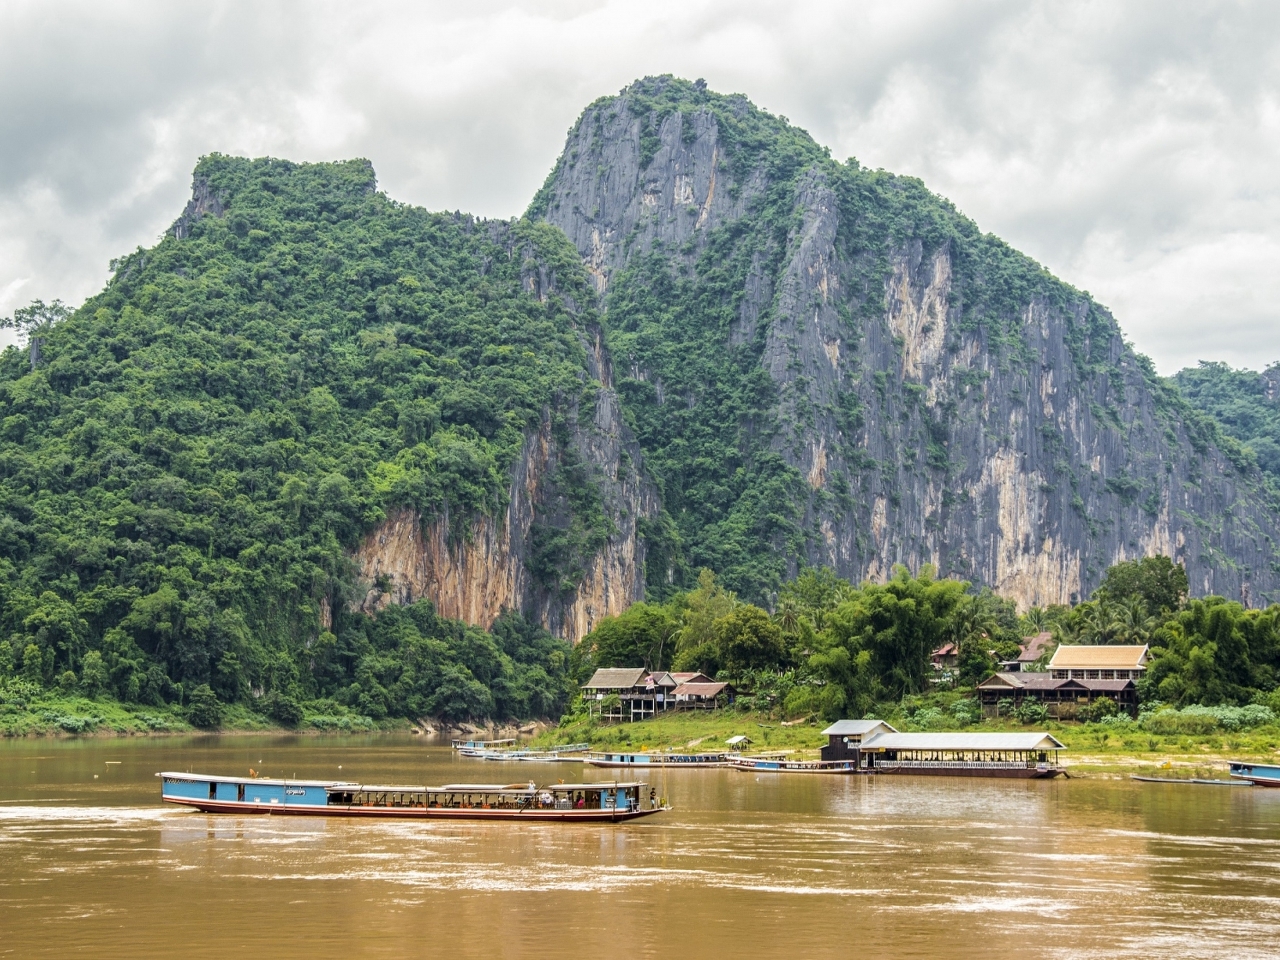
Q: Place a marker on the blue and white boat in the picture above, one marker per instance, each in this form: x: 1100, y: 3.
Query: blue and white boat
x: 1259, y: 774
x: 608, y: 801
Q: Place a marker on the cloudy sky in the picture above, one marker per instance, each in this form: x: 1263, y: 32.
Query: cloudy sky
x: 1133, y: 148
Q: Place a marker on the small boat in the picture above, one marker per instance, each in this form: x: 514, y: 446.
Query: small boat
x: 1197, y: 780
x: 1258, y: 774
x: 663, y: 760
x: 570, y: 753
x: 607, y: 802
x: 775, y: 764
x: 482, y: 744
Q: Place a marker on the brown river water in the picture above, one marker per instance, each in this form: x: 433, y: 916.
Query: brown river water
x: 747, y: 865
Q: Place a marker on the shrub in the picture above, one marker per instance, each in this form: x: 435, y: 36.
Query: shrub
x: 282, y: 708
x: 1102, y: 707
x: 1032, y: 711
x: 965, y: 712
x: 204, y: 710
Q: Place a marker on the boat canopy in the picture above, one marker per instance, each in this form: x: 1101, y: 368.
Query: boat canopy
x: 968, y: 742
x: 209, y: 778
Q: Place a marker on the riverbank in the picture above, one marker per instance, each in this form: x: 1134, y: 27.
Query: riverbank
x: 1099, y: 750
x: 51, y: 714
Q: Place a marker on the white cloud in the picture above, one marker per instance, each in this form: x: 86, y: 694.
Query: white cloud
x: 1131, y: 148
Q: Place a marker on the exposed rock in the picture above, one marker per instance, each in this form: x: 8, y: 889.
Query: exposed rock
x: 994, y: 452
x: 476, y: 576
x: 203, y: 202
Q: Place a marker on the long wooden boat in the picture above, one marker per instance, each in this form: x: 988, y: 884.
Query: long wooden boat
x: 569, y: 753
x: 784, y: 765
x: 1200, y: 781
x: 608, y: 802
x: 1259, y: 774
x: 482, y: 744
x: 665, y: 761
x: 999, y: 769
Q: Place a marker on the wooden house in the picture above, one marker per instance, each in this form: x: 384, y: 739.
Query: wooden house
x: 1061, y: 696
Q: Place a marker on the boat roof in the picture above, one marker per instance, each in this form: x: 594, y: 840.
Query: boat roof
x: 214, y: 778
x: 843, y: 728
x: 1038, y: 740
x: 606, y: 785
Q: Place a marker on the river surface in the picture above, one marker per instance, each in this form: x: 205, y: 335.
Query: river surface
x: 747, y: 865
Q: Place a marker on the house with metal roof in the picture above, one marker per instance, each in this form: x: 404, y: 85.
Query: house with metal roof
x: 643, y: 693
x: 1099, y: 662
x: 1061, y: 696
x: 844, y: 737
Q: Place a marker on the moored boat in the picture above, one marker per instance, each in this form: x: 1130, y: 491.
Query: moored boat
x: 569, y: 753
x: 663, y: 760
x: 780, y: 764
x: 1023, y: 756
x: 1259, y: 774
x: 607, y: 802
x: 465, y: 745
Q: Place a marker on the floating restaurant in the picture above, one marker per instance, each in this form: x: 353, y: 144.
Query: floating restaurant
x: 608, y: 802
x: 1016, y: 755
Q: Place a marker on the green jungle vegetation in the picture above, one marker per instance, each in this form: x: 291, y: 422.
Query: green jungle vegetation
x: 186, y: 458
x: 832, y: 649
x: 1237, y: 401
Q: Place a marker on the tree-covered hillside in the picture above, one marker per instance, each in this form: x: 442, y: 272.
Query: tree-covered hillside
x: 186, y: 459
x: 1245, y: 404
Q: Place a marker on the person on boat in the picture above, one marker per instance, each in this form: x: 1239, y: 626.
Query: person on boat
x: 653, y: 796
x: 582, y: 801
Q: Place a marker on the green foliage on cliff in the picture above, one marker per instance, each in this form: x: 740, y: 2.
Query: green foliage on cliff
x: 1244, y: 404
x: 186, y: 463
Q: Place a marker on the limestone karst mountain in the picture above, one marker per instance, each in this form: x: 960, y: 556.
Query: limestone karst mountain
x: 830, y: 365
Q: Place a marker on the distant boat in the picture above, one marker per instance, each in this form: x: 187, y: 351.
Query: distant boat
x: 608, y: 802
x: 570, y: 753
x: 784, y: 765
x: 482, y: 744
x: 1195, y: 780
x: 1259, y: 774
x: 664, y: 760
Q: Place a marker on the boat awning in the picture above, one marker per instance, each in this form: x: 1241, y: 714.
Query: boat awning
x: 610, y: 785
x: 963, y: 742
x: 212, y: 778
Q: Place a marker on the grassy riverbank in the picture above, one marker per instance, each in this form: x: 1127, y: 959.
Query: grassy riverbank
x: 1093, y: 749
x: 55, y: 714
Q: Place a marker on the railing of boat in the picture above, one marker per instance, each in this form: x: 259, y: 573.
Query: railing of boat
x: 962, y: 765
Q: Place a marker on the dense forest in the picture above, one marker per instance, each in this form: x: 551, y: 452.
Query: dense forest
x: 186, y: 458
x: 837, y: 649
x: 1244, y: 404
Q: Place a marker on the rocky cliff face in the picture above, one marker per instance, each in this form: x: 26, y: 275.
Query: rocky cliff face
x: 534, y: 557
x: 943, y: 399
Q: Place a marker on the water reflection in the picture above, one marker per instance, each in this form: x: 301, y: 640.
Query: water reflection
x: 750, y: 864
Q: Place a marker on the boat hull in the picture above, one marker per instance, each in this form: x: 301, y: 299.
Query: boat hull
x: 1258, y: 774
x: 414, y: 813
x: 838, y: 768
x: 998, y: 773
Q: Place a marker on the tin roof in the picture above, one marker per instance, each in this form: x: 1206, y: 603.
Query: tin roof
x: 1033, y: 647
x: 1038, y: 740
x: 845, y: 728
x: 699, y: 689
x: 616, y: 678
x: 685, y: 677
x: 1072, y: 656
